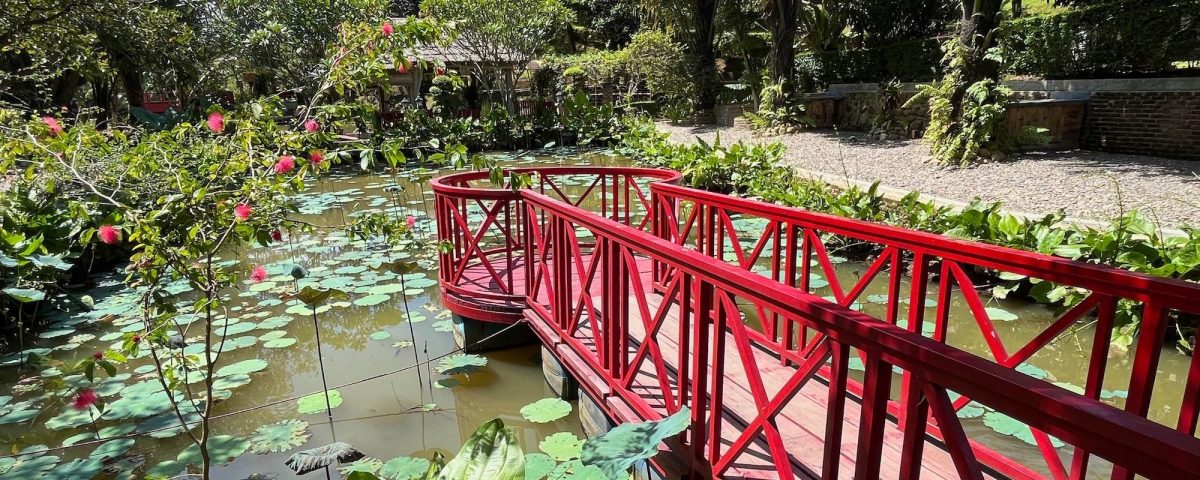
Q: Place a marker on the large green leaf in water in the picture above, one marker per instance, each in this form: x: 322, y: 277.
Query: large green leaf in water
x: 461, y: 363
x: 492, y: 453
x: 316, y: 296
x: 222, y: 449
x: 1006, y: 425
x: 404, y: 468
x: 243, y: 367
x: 619, y: 449
x: 315, y: 403
x: 562, y: 446
x: 538, y: 465
x: 75, y: 469
x: 279, y: 437
x: 25, y: 295
x: 546, y: 410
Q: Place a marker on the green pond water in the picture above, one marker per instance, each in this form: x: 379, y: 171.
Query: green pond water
x: 271, y: 356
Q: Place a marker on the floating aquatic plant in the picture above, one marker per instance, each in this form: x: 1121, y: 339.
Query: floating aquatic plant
x: 279, y: 437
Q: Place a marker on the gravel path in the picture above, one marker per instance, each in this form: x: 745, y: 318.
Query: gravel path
x: 1086, y: 184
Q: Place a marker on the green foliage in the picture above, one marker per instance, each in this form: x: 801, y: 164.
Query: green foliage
x: 1112, y: 38
x: 652, y: 62
x: 619, y: 449
x: 546, y: 410
x: 491, y: 453
x: 966, y: 131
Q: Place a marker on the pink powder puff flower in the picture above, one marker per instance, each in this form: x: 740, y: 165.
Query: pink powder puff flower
x: 258, y: 274
x: 56, y: 128
x: 277, y: 235
x: 387, y: 29
x: 216, y: 122
x: 85, y: 398
x: 312, y: 126
x: 109, y: 234
x: 410, y: 221
x: 285, y: 164
x: 242, y: 212
x: 316, y: 157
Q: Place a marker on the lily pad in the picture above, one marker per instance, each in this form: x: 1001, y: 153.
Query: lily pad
x: 538, y: 465
x: 112, y: 449
x: 315, y: 403
x: 372, y: 300
x: 381, y: 335
x: 461, y: 363
x: 999, y: 314
x: 1006, y: 425
x: 243, y: 367
x: 279, y: 343
x: 562, y: 446
x: 404, y: 468
x: 279, y: 437
x: 546, y: 410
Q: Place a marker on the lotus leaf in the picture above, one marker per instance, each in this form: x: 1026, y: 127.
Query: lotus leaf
x: 71, y: 418
x: 999, y: 314
x: 546, y: 410
x: 404, y: 468
x: 112, y: 449
x: 279, y: 343
x: 562, y: 446
x: 538, y: 465
x: 222, y: 449
x: 617, y: 450
x: 79, y: 437
x: 279, y: 437
x: 461, y: 363
x: 372, y: 300
x: 244, y: 367
x: 316, y: 458
x: 315, y: 403
x: 365, y: 465
x: 1006, y: 425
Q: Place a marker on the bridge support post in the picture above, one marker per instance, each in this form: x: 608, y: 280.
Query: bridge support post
x: 479, y: 336
x: 560, y: 380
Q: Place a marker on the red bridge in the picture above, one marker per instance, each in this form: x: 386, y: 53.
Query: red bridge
x: 658, y: 297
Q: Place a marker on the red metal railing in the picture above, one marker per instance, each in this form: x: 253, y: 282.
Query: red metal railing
x: 481, y: 271
x: 793, y: 242
x: 661, y: 325
x: 608, y: 302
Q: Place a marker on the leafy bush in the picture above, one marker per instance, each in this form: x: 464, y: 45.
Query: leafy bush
x: 1105, y: 39
x: 652, y: 62
x: 979, y: 128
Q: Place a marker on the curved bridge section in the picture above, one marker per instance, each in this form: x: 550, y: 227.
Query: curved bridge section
x: 658, y: 297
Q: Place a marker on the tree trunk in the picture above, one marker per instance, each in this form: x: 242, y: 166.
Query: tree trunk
x: 979, y: 21
x: 782, y: 17
x: 706, y: 56
x: 131, y: 79
x: 65, y: 87
x: 102, y: 92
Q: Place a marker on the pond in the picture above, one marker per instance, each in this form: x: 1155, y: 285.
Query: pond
x: 271, y: 355
x: 370, y: 344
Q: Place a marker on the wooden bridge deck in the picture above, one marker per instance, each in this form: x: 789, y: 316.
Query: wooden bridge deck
x: 801, y: 423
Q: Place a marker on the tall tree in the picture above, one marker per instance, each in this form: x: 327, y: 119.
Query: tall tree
x: 781, y: 14
x: 703, y: 34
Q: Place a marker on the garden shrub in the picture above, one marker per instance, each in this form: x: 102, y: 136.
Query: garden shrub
x: 1105, y: 39
x: 978, y: 132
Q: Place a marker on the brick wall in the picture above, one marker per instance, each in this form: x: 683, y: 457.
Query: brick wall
x: 1163, y: 124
